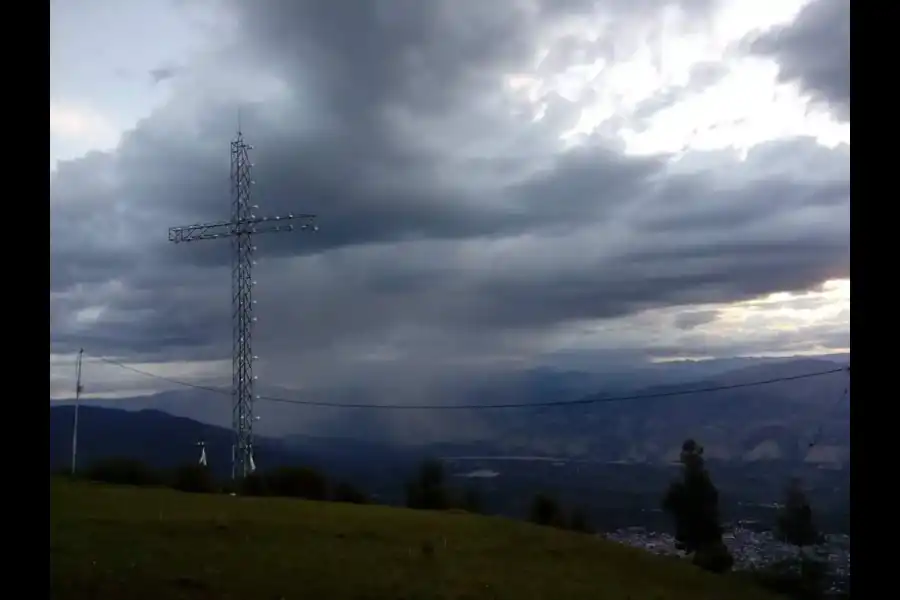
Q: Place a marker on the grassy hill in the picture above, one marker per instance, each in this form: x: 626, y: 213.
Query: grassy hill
x: 116, y: 542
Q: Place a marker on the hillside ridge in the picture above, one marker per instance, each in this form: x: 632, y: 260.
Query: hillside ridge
x: 214, y: 546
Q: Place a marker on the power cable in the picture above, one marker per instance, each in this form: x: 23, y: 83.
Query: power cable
x: 511, y: 405
x: 160, y: 377
x: 820, y: 430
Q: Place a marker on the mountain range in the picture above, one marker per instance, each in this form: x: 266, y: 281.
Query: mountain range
x: 800, y: 420
x: 614, y: 495
x: 804, y: 420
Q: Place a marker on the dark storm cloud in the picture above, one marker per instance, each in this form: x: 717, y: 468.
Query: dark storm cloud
x: 451, y: 224
x: 349, y: 154
x: 146, y: 319
x: 814, y: 51
x: 426, y: 56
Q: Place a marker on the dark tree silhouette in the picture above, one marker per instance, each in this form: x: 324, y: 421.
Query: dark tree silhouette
x: 693, y: 502
x: 545, y: 510
x: 298, y: 482
x: 795, y: 519
x: 471, y: 500
x: 427, y: 490
x: 345, y: 492
x: 795, y: 525
x: 254, y: 484
x: 578, y: 521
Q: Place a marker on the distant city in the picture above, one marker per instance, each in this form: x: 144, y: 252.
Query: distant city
x: 752, y: 549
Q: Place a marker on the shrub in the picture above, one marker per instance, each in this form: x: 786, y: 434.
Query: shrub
x: 578, y: 521
x: 345, y: 492
x: 471, y: 501
x: 193, y: 478
x: 427, y: 491
x: 545, y: 510
x: 253, y: 484
x: 714, y: 557
x: 298, y: 482
x: 123, y: 471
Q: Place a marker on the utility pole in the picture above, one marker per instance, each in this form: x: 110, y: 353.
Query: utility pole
x: 240, y: 229
x: 77, y: 402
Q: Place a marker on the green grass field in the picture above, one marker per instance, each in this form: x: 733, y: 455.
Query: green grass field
x: 123, y: 543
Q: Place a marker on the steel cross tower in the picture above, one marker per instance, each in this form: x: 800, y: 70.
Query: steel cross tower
x: 243, y: 225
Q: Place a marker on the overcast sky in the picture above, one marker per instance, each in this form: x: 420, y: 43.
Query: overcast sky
x: 495, y: 182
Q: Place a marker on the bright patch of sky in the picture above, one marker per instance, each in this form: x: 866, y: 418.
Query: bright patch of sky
x: 813, y: 318
x: 741, y: 105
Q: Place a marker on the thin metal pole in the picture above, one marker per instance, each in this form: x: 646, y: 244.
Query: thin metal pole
x: 77, y: 402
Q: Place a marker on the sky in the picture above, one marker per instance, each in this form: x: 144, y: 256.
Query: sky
x: 495, y: 182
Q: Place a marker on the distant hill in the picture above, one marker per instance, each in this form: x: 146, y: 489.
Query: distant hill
x: 164, y: 441
x: 156, y: 438
x: 777, y: 421
x: 762, y: 423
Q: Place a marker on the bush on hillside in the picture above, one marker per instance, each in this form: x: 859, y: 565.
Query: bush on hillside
x: 288, y: 482
x: 427, y: 491
x: 578, y: 521
x: 193, y: 478
x: 470, y: 501
x: 254, y: 484
x: 714, y: 558
x: 545, y: 510
x: 297, y: 482
x: 345, y: 492
x: 123, y: 471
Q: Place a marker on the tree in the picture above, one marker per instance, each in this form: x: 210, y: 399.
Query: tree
x: 795, y: 525
x: 427, y: 490
x: 795, y: 519
x: 471, y: 500
x: 693, y: 503
x: 545, y: 510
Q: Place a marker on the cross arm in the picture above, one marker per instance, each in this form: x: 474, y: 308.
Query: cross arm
x: 254, y: 225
